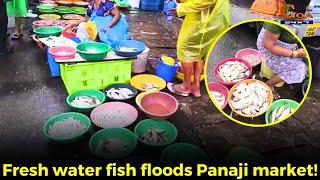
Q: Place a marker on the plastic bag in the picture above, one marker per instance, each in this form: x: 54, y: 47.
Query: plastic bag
x: 119, y: 31
x: 82, y: 33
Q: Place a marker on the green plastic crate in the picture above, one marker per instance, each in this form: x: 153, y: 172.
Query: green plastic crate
x: 96, y: 75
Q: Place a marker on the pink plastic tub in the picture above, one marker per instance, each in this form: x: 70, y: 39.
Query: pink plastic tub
x: 214, y: 86
x: 227, y: 60
x: 63, y: 52
x: 244, y: 52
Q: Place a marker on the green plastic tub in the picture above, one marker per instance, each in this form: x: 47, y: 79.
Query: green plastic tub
x: 188, y: 154
x: 44, y: 7
x: 82, y: 118
x: 47, y: 11
x: 170, y: 133
x: 43, y: 32
x: 64, y: 11
x: 100, y: 95
x: 93, y: 51
x: 62, y: 8
x: 279, y: 103
x: 122, y: 134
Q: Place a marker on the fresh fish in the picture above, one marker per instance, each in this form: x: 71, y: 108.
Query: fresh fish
x: 85, y: 101
x: 67, y: 128
x: 279, y: 113
x: 219, y: 98
x: 149, y: 86
x: 154, y: 136
x: 250, y: 98
x: 232, y: 71
x: 120, y: 94
x: 252, y: 59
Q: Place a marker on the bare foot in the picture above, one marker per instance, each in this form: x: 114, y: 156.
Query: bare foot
x: 196, y: 91
x: 274, y: 92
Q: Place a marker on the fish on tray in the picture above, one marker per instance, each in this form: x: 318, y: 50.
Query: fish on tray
x: 280, y: 113
x: 120, y: 93
x: 233, y: 71
x: 85, y: 101
x: 219, y: 98
x: 250, y: 98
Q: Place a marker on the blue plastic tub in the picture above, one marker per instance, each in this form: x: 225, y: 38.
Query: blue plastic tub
x: 129, y: 44
x: 165, y: 71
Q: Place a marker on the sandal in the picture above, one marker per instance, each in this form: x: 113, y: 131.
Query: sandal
x: 16, y: 36
x: 171, y: 87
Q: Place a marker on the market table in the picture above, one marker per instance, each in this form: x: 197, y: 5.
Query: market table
x: 78, y: 74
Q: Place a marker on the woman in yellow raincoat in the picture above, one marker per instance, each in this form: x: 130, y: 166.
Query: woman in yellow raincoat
x: 203, y: 23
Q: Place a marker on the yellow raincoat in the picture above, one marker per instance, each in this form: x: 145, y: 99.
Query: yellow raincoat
x: 203, y: 23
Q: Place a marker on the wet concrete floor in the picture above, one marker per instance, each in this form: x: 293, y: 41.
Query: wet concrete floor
x: 29, y: 96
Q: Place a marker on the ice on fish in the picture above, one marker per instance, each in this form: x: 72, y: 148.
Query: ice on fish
x: 85, y: 101
x: 120, y: 94
x: 67, y: 128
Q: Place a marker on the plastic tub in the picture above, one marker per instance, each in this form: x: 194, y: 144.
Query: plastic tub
x: 279, y: 103
x: 247, y: 51
x: 118, y: 86
x: 128, y: 44
x: 165, y: 71
x: 170, y: 131
x: 122, y: 134
x: 188, y: 154
x: 80, y: 117
x: 139, y: 65
x: 69, y: 52
x: 158, y: 105
x: 214, y: 86
x: 229, y: 60
x: 100, y: 95
x: 101, y: 51
x: 305, y: 87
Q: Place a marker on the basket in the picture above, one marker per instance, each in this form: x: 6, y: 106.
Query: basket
x: 270, y: 98
x: 97, y: 75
